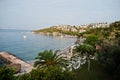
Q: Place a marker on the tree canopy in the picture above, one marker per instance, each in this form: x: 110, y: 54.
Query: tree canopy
x: 48, y: 58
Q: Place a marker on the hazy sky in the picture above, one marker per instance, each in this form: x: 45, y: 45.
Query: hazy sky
x: 35, y: 14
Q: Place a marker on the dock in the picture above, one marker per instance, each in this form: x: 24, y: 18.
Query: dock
x: 25, y: 67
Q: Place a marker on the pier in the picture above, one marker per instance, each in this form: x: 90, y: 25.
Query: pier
x: 25, y: 67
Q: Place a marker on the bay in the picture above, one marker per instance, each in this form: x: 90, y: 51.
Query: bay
x: 26, y: 45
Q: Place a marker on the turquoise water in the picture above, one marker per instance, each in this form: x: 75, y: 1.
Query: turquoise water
x: 13, y: 41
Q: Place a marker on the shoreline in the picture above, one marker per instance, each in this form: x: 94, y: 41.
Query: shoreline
x: 27, y: 66
x: 55, y: 35
x: 13, y: 59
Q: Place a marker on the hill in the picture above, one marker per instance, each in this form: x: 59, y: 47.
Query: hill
x: 69, y: 30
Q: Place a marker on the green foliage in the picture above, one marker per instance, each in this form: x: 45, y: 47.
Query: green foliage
x: 48, y: 73
x: 115, y: 25
x: 6, y: 73
x: 101, y: 31
x: 110, y: 59
x: 56, y: 73
x: 106, y: 33
x: 48, y: 58
x: 52, y: 29
x: 80, y: 34
x: 25, y: 76
x: 118, y: 41
x: 117, y: 35
x: 92, y: 40
x: 69, y: 33
x: 97, y: 72
x: 84, y: 49
x: 35, y: 74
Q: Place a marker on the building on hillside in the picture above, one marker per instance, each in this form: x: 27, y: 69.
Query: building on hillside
x: 98, y: 25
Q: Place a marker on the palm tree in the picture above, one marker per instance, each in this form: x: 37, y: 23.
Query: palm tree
x: 85, y: 50
x: 48, y: 58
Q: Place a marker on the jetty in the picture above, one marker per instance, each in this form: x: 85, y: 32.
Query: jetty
x: 12, y: 59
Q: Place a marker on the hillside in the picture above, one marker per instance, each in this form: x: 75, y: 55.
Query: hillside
x: 97, y: 72
x: 69, y: 30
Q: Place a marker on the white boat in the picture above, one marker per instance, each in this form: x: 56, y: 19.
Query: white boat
x: 24, y: 37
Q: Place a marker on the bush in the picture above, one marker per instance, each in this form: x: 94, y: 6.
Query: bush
x: 48, y: 73
x: 6, y: 73
x: 110, y: 59
x: 117, y: 73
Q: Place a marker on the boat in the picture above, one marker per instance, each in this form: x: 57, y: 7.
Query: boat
x: 24, y: 37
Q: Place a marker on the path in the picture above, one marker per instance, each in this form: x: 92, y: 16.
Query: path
x: 67, y: 52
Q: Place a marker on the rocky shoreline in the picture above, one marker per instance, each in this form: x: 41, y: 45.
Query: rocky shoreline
x: 15, y: 62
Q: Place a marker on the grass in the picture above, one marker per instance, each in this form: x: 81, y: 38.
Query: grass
x: 96, y: 72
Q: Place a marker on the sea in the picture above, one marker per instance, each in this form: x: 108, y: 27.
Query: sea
x: 26, y: 45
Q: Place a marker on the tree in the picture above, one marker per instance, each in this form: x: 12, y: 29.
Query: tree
x: 48, y: 58
x: 25, y: 76
x: 85, y: 50
x: 115, y: 25
x: 47, y: 73
x: 6, y: 73
x: 91, y: 40
x: 110, y: 59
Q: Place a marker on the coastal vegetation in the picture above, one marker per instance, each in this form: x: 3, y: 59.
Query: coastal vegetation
x: 70, y: 30
x: 85, y: 50
x: 47, y: 73
x: 6, y: 73
x: 101, y: 50
x: 48, y: 58
x: 55, y: 31
x: 97, y: 72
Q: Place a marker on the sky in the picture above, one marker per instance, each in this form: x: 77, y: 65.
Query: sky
x: 37, y: 14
